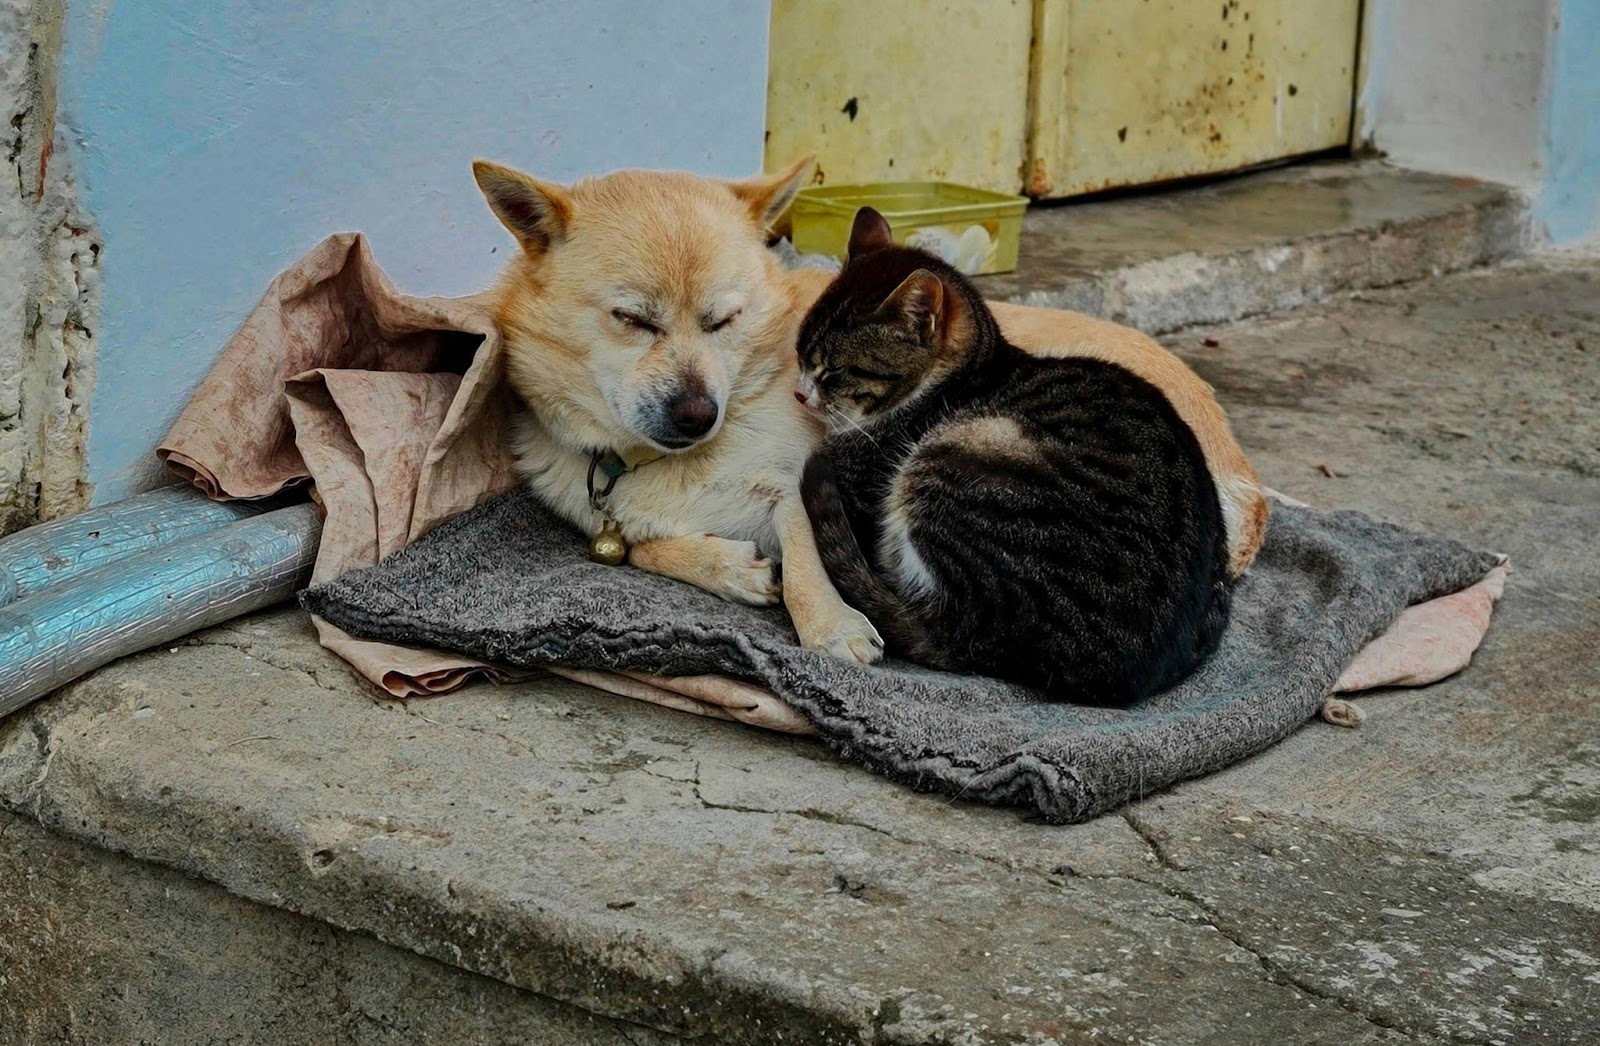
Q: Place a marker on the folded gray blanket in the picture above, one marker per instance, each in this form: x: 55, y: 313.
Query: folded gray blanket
x: 508, y: 582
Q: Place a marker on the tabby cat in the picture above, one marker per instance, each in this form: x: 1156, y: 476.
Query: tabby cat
x: 1048, y: 521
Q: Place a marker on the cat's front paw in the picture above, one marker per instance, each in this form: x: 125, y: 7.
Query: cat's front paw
x: 847, y: 634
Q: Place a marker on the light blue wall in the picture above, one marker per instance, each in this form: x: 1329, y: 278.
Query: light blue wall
x: 1569, y: 204
x: 217, y: 140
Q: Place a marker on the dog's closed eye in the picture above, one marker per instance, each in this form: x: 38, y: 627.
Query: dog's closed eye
x: 636, y: 321
x: 711, y: 326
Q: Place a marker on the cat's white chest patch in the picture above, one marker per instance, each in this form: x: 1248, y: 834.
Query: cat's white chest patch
x: 896, y: 548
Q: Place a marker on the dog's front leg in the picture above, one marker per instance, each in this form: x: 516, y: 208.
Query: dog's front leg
x: 734, y: 570
x: 821, y: 616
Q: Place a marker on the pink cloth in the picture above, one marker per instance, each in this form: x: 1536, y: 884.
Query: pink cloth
x: 1429, y: 641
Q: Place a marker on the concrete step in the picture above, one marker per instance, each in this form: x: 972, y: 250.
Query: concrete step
x: 1258, y: 243
x: 232, y: 839
x: 541, y: 862
x: 96, y: 947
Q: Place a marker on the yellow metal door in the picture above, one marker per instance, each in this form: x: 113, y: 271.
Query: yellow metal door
x: 901, y: 90
x: 1056, y: 97
x: 1129, y: 93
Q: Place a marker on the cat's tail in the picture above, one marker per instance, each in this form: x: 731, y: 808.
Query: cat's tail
x: 850, y: 572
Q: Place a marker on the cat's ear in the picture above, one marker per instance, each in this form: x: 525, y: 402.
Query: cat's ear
x: 769, y: 195
x: 918, y: 303
x: 537, y: 213
x: 869, y: 233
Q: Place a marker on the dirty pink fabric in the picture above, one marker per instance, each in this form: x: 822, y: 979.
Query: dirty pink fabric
x: 392, y: 408
x: 1429, y: 641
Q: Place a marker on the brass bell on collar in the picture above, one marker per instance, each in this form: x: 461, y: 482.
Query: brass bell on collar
x: 608, y: 547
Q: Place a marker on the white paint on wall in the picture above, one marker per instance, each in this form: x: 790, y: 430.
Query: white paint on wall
x: 1502, y: 90
x: 1458, y: 85
x: 218, y: 141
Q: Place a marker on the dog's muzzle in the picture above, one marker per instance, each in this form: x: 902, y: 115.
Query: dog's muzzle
x: 692, y: 415
x: 682, y: 418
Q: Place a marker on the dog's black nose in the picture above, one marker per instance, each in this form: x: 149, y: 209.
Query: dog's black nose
x: 693, y: 415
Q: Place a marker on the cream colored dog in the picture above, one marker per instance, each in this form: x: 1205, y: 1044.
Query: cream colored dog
x: 645, y: 316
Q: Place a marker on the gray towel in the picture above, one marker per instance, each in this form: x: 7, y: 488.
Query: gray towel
x: 508, y: 582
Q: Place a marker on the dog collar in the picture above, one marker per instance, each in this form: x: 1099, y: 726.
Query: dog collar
x: 615, y: 463
x: 609, y: 546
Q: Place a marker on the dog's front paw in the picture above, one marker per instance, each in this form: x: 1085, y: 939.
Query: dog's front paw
x: 846, y: 633
x: 743, y: 575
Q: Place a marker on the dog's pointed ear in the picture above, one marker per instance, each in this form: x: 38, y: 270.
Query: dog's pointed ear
x: 918, y: 303
x: 769, y: 195
x: 869, y: 233
x: 537, y: 213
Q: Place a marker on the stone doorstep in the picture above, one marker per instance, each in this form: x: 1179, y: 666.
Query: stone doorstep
x: 1258, y: 243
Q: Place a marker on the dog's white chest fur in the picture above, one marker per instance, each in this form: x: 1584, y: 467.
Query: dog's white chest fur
x: 728, y: 488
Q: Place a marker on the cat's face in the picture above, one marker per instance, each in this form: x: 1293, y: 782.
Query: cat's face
x: 877, y: 335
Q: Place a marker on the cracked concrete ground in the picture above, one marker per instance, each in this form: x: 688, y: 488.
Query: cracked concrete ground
x: 606, y: 871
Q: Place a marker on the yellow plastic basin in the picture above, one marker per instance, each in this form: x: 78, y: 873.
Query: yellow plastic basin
x: 973, y: 229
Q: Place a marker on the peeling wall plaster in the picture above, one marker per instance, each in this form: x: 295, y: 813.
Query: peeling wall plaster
x: 49, y: 282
